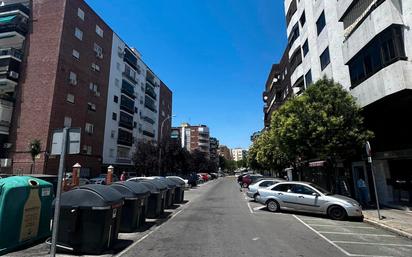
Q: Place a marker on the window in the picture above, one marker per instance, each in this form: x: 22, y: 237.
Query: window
x: 76, y: 54
x: 135, y: 124
x: 282, y: 187
x: 70, y: 98
x: 98, y: 50
x: 115, y: 99
x: 78, y: 33
x: 118, y: 67
x: 111, y: 152
x: 266, y: 183
x: 80, y: 14
x: 292, y: 9
x: 305, y: 48
x: 114, y: 116
x: 95, y: 67
x: 89, y: 128
x: 295, y: 60
x: 321, y: 23
x: 294, y: 34
x: 324, y: 59
x: 386, y: 48
x: 99, y: 31
x: 72, y: 78
x: 301, y: 189
x: 135, y: 109
x: 117, y: 82
x: 93, y: 87
x: 302, y: 19
x: 87, y: 149
x: 91, y: 106
x: 308, y: 78
x: 67, y: 122
x: 113, y: 134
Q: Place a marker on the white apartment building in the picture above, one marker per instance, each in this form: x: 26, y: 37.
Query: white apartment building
x: 132, y: 105
x: 365, y: 45
x: 237, y: 154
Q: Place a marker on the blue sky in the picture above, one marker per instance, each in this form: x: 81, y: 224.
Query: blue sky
x: 215, y: 56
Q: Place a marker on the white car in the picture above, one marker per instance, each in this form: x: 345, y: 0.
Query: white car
x: 252, y: 191
x: 308, y: 197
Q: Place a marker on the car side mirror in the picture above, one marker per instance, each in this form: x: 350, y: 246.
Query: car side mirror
x: 315, y: 194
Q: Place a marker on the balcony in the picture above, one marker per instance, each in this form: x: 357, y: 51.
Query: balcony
x: 6, y: 111
x: 128, y: 89
x: 149, y: 104
x: 148, y: 120
x: 16, y: 22
x: 9, y: 74
x: 148, y: 134
x: 126, y: 121
x: 150, y: 91
x: 11, y: 53
x: 151, y: 80
x: 15, y: 8
x: 124, y: 138
x: 130, y: 58
x: 126, y: 104
x: 203, y: 144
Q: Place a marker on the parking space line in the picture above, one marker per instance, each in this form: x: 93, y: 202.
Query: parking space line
x: 327, y: 225
x: 259, y: 208
x: 250, y: 208
x: 370, y: 243
x: 322, y: 236
x: 346, y: 233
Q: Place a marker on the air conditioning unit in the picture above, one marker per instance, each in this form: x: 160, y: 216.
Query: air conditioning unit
x: 5, y: 163
x: 14, y: 75
x: 99, y: 55
x: 73, y: 81
x: 7, y: 145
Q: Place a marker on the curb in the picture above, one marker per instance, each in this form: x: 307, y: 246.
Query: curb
x: 388, y: 228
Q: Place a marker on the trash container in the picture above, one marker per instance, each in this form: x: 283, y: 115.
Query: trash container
x: 25, y: 211
x: 135, y: 197
x: 163, y: 187
x: 162, y: 190
x: 180, y: 190
x: 170, y: 195
x: 89, y: 219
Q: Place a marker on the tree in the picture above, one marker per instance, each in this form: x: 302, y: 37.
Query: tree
x: 146, y: 158
x: 34, y: 149
x: 324, y: 122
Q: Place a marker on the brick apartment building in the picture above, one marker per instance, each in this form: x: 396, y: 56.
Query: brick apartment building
x: 165, y: 111
x: 193, y: 137
x: 56, y: 64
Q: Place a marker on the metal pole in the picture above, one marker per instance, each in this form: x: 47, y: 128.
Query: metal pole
x: 58, y: 193
x: 376, y: 190
x: 160, y: 143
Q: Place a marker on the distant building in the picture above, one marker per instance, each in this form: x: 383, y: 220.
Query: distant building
x: 224, y: 151
x: 214, y: 147
x: 193, y: 137
x: 237, y: 154
x: 255, y: 135
x: 165, y: 112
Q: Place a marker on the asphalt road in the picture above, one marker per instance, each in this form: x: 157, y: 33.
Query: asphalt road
x: 221, y: 222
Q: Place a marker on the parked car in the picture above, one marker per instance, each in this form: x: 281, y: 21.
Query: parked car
x: 252, y: 191
x: 82, y: 181
x: 308, y: 197
x: 200, y: 179
x: 250, y: 179
x: 101, y: 179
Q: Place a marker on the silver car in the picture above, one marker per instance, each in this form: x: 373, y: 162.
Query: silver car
x: 252, y: 191
x: 308, y: 197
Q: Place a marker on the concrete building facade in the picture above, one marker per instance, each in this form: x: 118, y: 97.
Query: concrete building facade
x: 225, y: 152
x: 214, y: 147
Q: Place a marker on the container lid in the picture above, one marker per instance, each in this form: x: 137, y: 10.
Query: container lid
x: 23, y: 181
x: 131, y: 190
x: 180, y: 181
x: 170, y: 183
x: 152, y: 188
x: 92, y: 196
x: 157, y: 183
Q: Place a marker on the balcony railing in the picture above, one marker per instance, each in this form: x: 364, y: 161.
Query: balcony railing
x: 128, y: 89
x: 15, y: 7
x: 148, y: 134
x: 4, y: 52
x: 9, y: 69
x: 14, y: 22
x: 149, y: 103
x: 6, y: 111
x: 150, y: 91
x: 126, y: 104
x: 124, y: 138
x: 148, y: 120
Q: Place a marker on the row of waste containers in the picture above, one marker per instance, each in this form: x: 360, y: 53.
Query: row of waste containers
x: 91, y: 216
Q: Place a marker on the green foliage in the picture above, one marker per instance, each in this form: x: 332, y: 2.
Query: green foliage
x: 324, y: 122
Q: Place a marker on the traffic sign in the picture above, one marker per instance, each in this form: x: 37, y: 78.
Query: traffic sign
x: 73, y: 144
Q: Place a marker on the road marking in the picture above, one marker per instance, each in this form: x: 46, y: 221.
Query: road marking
x: 259, y: 208
x: 250, y: 208
x: 346, y: 233
x: 256, y: 238
x: 369, y: 243
x: 327, y: 225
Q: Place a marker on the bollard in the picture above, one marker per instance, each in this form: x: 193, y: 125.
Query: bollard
x: 76, y: 175
x: 109, y: 176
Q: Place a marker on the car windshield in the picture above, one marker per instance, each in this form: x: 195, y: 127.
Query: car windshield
x: 320, y: 189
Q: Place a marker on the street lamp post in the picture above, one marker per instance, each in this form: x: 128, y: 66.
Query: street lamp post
x: 160, y: 142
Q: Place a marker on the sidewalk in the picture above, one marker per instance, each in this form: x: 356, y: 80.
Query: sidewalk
x: 397, y: 221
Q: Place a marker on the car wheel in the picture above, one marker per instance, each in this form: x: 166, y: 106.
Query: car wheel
x: 244, y: 185
x: 337, y: 213
x: 255, y: 197
x: 272, y: 206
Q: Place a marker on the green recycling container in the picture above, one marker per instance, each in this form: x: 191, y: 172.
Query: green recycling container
x: 25, y: 211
